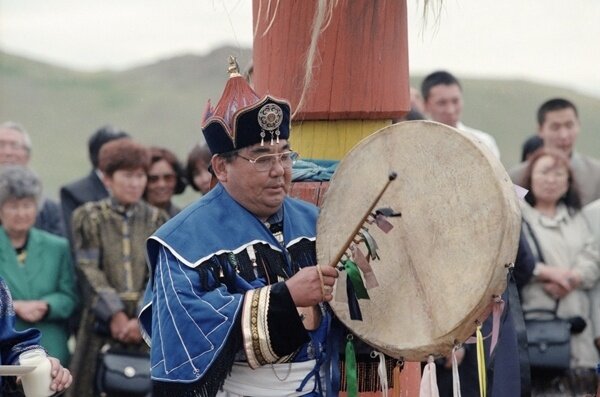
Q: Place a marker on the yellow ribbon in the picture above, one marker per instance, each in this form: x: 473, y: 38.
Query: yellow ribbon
x: 481, y: 363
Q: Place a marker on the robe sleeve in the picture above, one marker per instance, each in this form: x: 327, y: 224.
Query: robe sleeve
x: 271, y: 326
x: 194, y: 330
x: 12, y: 342
x: 587, y: 262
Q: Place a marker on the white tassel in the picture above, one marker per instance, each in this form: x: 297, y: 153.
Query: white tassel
x: 429, y: 386
x: 381, y: 370
x: 455, y: 377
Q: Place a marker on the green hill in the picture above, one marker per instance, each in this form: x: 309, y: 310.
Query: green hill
x: 162, y: 103
x: 159, y: 104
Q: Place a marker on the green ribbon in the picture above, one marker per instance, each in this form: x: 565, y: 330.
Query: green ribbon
x: 356, y: 279
x: 351, y: 374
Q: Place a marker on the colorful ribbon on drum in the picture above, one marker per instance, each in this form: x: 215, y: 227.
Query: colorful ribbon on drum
x: 355, y: 288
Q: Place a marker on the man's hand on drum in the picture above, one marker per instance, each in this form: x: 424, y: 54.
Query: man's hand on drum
x: 312, y: 285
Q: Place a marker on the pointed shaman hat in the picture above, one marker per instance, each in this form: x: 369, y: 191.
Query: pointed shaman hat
x: 242, y: 118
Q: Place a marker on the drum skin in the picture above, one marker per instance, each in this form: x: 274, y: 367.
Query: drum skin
x: 445, y: 260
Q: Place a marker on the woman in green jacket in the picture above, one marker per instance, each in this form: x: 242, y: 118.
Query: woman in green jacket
x: 36, y: 265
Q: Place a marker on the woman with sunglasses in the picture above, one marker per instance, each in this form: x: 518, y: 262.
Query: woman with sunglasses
x: 165, y: 179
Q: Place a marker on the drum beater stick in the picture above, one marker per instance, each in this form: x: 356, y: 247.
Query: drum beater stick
x: 392, y: 176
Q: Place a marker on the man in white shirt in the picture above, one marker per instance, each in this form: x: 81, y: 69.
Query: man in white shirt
x: 442, y: 94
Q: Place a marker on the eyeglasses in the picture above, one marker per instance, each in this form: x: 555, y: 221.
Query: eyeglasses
x: 168, y: 178
x: 13, y: 206
x: 557, y: 174
x: 265, y: 162
x: 11, y: 145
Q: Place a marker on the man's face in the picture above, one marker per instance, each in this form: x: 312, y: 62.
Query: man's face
x: 12, y: 147
x: 260, y: 192
x: 560, y: 129
x: 445, y: 104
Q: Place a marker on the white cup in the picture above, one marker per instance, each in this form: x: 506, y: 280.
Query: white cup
x: 37, y: 382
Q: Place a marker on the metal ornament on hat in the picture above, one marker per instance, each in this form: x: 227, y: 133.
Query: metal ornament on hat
x: 233, y: 68
x: 270, y: 117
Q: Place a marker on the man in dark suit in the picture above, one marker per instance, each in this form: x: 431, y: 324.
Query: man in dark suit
x: 90, y: 187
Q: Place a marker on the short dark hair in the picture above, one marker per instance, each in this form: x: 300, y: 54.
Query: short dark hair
x: 124, y: 154
x: 440, y: 77
x: 103, y: 135
x: 158, y: 153
x: 571, y: 198
x: 553, y: 105
x: 530, y: 145
x: 198, y: 153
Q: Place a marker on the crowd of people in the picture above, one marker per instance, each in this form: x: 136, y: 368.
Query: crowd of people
x: 117, y: 248
x: 77, y: 271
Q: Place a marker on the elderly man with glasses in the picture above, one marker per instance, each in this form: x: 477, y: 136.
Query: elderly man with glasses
x: 234, y: 305
x: 15, y: 149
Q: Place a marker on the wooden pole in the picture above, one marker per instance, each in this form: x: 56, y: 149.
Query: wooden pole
x: 360, y: 76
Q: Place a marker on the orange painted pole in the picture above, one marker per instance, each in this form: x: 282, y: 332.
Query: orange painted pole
x: 361, y: 71
x: 359, y: 83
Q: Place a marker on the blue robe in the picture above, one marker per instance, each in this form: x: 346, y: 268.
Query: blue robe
x: 203, y: 278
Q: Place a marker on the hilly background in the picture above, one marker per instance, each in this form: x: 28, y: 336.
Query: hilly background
x: 162, y: 104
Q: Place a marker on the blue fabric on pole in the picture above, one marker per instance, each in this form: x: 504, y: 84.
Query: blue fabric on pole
x: 313, y: 170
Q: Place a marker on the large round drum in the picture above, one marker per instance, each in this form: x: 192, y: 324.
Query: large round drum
x: 446, y: 257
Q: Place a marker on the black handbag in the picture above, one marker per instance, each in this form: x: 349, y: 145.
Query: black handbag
x: 548, y: 337
x: 125, y: 373
x: 549, y: 341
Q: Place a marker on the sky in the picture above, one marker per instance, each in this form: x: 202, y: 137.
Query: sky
x: 549, y: 41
